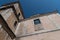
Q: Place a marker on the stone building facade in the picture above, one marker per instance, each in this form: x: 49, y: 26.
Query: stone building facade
x: 17, y: 8
x: 13, y: 26
x: 11, y: 21
x: 10, y: 18
x: 19, y: 11
x: 12, y: 15
x: 4, y: 35
x: 40, y: 27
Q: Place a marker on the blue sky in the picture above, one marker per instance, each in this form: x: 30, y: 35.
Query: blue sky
x: 33, y: 7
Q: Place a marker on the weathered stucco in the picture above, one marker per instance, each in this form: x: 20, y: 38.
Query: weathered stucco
x: 50, y: 23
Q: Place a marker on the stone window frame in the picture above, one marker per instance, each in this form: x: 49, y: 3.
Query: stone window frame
x: 38, y: 24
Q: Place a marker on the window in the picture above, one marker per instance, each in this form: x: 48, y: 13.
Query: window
x: 37, y: 21
x: 18, y: 14
x: 38, y: 25
x: 15, y: 23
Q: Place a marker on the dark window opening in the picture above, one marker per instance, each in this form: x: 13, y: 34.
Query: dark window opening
x: 15, y: 23
x: 18, y: 14
x: 37, y: 21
